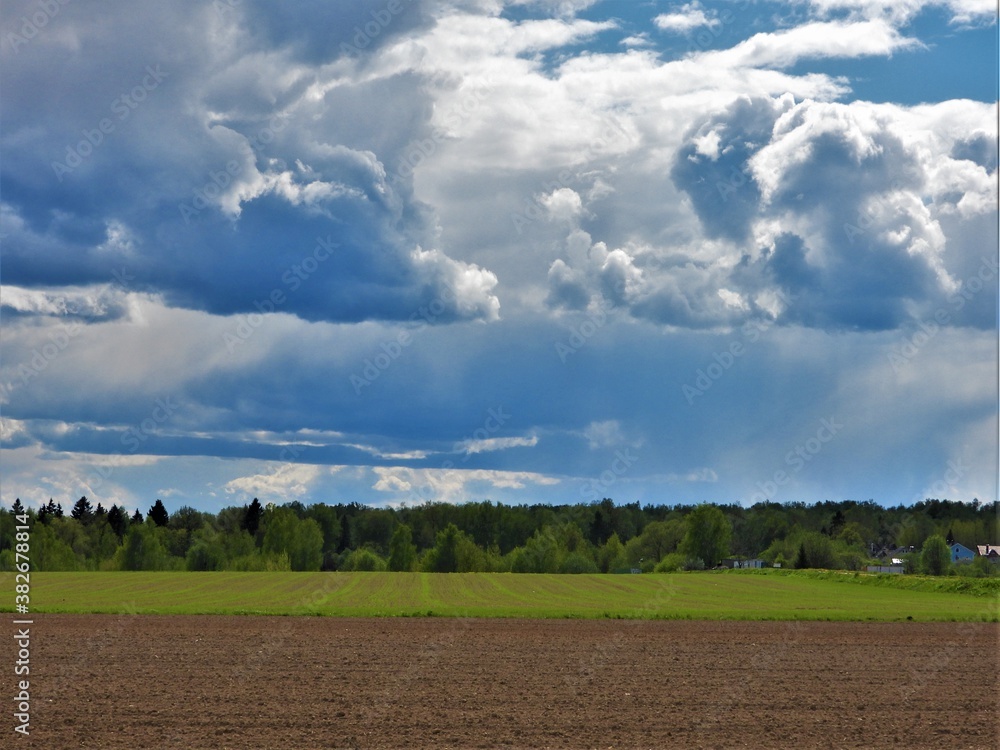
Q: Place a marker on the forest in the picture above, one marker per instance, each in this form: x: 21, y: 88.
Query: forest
x: 600, y: 537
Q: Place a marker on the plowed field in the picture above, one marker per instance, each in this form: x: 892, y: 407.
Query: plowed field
x: 140, y: 681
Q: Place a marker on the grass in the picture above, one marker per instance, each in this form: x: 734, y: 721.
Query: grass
x: 730, y: 595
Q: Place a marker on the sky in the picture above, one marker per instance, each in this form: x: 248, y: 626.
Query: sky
x: 401, y: 251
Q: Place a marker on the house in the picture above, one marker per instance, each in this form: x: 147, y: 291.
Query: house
x: 735, y: 562
x: 990, y: 551
x: 960, y: 552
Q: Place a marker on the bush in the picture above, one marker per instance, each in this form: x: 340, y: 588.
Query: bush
x: 694, y: 563
x: 577, y: 563
x: 363, y: 559
x: 256, y: 562
x: 670, y: 563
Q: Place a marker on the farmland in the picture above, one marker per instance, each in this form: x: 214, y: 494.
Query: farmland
x: 703, y: 596
x: 711, y: 659
x: 125, y: 681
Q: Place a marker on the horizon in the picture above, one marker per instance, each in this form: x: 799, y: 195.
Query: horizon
x: 536, y: 251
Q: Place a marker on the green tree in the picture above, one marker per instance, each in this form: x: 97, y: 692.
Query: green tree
x: 540, y: 554
x: 205, y: 551
x: 611, y: 556
x: 707, y: 536
x: 301, y: 540
x: 935, y: 558
x: 143, y: 549
x: 49, y: 552
x: 658, y: 539
x: 453, y: 552
x: 402, y: 551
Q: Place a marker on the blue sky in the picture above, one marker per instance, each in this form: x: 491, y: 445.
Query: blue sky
x: 521, y: 250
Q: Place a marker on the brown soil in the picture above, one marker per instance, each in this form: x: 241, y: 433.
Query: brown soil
x: 107, y: 681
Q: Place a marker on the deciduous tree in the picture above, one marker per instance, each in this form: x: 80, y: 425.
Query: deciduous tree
x: 707, y: 536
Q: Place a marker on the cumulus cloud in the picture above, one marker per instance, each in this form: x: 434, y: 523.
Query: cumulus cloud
x: 283, y: 482
x: 451, y: 485
x: 223, y: 172
x: 303, y: 188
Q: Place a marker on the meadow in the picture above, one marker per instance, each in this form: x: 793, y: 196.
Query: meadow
x: 713, y: 595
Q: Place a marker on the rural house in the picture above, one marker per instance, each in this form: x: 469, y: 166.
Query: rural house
x: 960, y: 552
x: 990, y: 551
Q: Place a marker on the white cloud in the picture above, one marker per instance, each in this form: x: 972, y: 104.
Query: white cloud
x: 282, y: 482
x: 604, y: 434
x: 451, y: 485
x: 783, y: 49
x: 689, y: 16
x: 485, y: 445
x: 902, y: 11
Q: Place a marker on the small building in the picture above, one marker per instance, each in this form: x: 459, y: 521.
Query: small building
x: 735, y: 562
x: 896, y: 569
x: 960, y: 552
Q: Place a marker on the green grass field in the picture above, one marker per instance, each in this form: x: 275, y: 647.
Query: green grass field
x: 777, y: 595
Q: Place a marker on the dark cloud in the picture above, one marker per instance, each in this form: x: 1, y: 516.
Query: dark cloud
x: 333, y: 28
x: 216, y: 182
x: 713, y: 166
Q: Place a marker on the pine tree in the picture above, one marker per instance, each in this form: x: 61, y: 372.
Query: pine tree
x: 17, y: 509
x: 83, y: 511
x: 137, y: 516
x: 159, y: 513
x: 118, y: 521
x: 251, y: 520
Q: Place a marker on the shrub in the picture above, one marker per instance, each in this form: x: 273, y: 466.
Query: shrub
x: 363, y: 559
x: 577, y: 563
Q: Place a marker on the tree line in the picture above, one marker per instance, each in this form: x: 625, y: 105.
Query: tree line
x: 601, y: 537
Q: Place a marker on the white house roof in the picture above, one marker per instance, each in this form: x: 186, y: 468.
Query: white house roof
x: 987, y: 550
